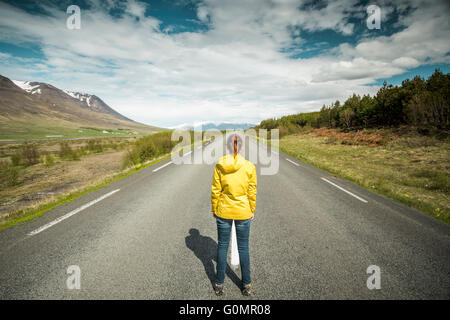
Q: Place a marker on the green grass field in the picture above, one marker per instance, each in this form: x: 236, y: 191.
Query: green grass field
x: 44, y: 128
x: 40, y: 133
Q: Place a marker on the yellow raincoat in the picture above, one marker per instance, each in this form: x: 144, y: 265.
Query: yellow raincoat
x: 233, y: 190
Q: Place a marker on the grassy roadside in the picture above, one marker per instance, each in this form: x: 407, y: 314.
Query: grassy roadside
x: 28, y: 215
x: 411, y: 169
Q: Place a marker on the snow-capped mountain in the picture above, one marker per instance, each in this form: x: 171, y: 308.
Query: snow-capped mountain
x: 24, y: 103
x: 45, y: 91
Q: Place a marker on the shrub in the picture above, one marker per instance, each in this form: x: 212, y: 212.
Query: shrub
x: 350, y: 138
x: 301, y: 122
x: 49, y: 160
x: 282, y: 131
x: 149, y: 147
x: 30, y: 154
x: 9, y: 174
x: 66, y: 152
x: 94, y: 146
x: 16, y: 159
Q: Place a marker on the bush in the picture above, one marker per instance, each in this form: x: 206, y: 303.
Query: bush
x: 282, y: 131
x: 9, y: 175
x: 148, y: 148
x: 94, y: 146
x: 66, y: 152
x: 16, y: 159
x: 350, y: 138
x: 30, y: 154
x: 49, y: 160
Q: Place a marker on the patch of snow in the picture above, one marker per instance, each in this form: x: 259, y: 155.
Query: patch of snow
x: 80, y: 96
x: 70, y: 93
x: 25, y: 85
x: 104, y: 131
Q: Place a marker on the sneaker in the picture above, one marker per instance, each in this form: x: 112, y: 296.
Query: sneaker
x: 218, y: 289
x: 247, y: 291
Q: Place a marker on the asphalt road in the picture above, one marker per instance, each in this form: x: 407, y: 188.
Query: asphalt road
x: 152, y: 236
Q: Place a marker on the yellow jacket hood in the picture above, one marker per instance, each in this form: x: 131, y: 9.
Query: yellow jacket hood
x: 230, y: 163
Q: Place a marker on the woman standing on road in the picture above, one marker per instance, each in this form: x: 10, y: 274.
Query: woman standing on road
x: 233, y: 197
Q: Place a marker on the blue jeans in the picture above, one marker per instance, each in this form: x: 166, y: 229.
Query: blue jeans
x: 242, y: 235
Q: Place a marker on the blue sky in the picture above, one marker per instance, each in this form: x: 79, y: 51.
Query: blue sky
x: 169, y: 63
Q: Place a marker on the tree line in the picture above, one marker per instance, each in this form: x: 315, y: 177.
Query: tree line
x: 417, y: 102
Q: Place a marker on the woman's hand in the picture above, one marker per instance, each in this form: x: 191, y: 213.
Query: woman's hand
x: 214, y: 215
x: 253, y: 216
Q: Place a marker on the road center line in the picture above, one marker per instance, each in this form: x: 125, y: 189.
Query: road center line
x: 293, y: 162
x: 165, y: 165
x: 71, y: 213
x: 352, y: 194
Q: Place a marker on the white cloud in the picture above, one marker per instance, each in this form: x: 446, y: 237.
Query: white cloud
x: 202, y: 14
x: 136, y: 9
x: 235, y: 71
x: 4, y: 56
x: 405, y: 62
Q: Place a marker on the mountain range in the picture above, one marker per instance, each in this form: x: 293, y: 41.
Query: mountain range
x: 37, y: 109
x: 215, y: 125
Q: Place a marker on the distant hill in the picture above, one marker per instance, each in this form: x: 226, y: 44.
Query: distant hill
x: 213, y: 125
x: 33, y: 110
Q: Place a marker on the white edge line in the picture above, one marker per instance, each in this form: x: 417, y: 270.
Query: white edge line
x: 71, y: 213
x: 293, y: 162
x: 164, y: 165
x: 354, y: 195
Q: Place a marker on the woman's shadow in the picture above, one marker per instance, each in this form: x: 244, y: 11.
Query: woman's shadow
x: 205, y: 249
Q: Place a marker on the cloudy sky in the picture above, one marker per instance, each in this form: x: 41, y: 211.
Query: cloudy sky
x: 167, y: 63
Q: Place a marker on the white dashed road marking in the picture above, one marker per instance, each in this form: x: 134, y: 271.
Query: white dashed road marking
x: 340, y: 188
x: 293, y: 162
x: 68, y: 215
x: 164, y: 165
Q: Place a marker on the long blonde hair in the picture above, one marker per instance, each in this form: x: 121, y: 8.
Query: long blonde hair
x: 234, y: 143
